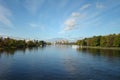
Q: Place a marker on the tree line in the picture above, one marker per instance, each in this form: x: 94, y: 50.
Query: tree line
x: 13, y: 43
x: 112, y: 40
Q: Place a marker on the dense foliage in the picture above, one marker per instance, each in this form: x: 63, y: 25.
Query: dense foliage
x: 13, y: 43
x: 112, y: 40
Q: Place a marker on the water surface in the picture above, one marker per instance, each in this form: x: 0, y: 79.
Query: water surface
x: 60, y: 63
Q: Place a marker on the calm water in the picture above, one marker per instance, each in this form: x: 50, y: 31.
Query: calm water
x: 60, y: 63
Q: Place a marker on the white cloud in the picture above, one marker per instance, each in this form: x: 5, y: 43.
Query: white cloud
x: 99, y: 5
x: 75, y: 14
x: 4, y: 16
x: 33, y: 5
x: 78, y: 16
x: 85, y: 6
x: 70, y: 24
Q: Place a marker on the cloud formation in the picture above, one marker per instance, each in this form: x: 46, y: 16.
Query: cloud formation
x: 85, y: 6
x: 75, y: 14
x: 5, y: 13
x: 33, y: 5
x: 70, y: 24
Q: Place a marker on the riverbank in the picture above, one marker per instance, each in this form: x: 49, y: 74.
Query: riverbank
x: 98, y: 47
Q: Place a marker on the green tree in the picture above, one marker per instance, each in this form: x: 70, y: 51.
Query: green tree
x: 96, y: 41
x: 103, y: 41
x: 116, y: 42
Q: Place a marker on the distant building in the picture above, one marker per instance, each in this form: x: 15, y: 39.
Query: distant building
x: 61, y: 42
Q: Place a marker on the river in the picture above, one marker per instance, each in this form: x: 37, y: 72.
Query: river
x: 60, y: 63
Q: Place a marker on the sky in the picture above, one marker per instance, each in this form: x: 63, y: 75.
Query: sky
x: 52, y: 19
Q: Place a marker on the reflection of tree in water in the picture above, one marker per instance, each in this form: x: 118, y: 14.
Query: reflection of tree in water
x: 12, y: 51
x: 101, y: 52
x: 36, y: 48
x: 7, y: 52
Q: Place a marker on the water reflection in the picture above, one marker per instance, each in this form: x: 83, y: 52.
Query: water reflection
x: 59, y: 62
x: 11, y: 52
x: 110, y: 53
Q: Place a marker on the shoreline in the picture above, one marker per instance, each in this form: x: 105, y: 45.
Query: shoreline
x: 115, y: 48
x: 94, y: 47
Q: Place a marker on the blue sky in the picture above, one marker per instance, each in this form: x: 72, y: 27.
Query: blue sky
x: 50, y: 19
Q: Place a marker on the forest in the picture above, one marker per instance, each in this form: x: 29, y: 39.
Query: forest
x: 14, y: 43
x: 112, y: 40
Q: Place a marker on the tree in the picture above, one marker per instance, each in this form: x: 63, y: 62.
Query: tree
x: 30, y: 44
x: 112, y: 40
x: 116, y: 42
x: 103, y: 41
x: 96, y: 41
